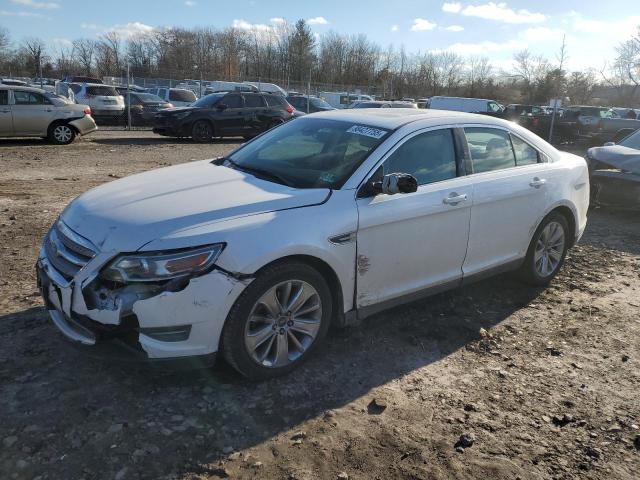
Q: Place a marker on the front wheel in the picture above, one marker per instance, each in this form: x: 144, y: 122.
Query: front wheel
x: 547, y: 250
x: 278, y: 321
x: 202, y: 132
x: 61, y: 134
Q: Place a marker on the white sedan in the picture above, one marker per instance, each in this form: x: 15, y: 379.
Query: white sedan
x: 329, y: 218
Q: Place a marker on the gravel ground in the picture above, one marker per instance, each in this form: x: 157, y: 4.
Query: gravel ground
x: 493, y: 381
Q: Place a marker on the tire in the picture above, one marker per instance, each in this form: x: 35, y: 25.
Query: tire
x: 202, y: 132
x: 253, y: 340
x: 61, y: 134
x: 546, y: 252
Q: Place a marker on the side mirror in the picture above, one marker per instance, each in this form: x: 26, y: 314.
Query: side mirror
x: 222, y: 106
x: 396, y: 183
x: 609, y: 144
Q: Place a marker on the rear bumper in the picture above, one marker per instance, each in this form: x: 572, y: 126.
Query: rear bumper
x: 84, y: 125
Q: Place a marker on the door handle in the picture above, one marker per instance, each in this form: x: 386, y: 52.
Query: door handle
x: 537, y: 182
x: 454, y: 199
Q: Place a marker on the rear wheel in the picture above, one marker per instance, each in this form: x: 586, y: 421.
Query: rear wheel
x: 61, y: 134
x: 278, y: 321
x: 202, y: 132
x: 547, y: 250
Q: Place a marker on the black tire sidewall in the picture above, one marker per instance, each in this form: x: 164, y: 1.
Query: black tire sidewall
x: 193, y: 129
x: 232, y: 338
x: 528, y: 269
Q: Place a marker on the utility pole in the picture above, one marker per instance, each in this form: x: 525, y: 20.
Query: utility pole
x: 562, y: 58
x: 128, y: 99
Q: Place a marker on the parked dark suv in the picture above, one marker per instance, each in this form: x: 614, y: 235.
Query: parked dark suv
x: 224, y: 114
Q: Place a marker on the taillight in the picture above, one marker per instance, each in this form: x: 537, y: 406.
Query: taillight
x: 87, y: 110
x: 289, y: 108
x: 536, y: 121
x: 600, y: 125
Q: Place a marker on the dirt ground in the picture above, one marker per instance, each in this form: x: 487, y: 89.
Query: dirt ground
x: 540, y: 383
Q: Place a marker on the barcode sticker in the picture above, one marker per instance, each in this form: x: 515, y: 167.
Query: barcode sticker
x: 367, y: 131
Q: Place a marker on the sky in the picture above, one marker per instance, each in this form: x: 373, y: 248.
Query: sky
x: 497, y: 30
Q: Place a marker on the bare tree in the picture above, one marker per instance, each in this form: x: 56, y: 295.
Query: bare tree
x: 532, y: 69
x: 84, y: 51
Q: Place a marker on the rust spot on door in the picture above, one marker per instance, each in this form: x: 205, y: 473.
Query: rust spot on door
x: 363, y: 264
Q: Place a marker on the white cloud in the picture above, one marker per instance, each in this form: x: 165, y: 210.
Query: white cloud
x: 451, y: 7
x: 542, y: 34
x: 485, y: 48
x: 62, y: 42
x: 422, y: 24
x: 454, y: 28
x: 190, y: 3
x: 241, y: 24
x: 502, y: 13
x: 5, y: 13
x: 131, y: 29
x: 317, y: 21
x: 37, y: 5
x: 394, y: 28
x: 89, y: 26
x: 616, y: 30
x: 278, y: 21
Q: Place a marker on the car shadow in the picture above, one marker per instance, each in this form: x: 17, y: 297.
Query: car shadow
x: 17, y: 142
x: 158, y: 140
x: 615, y: 228
x: 62, y: 387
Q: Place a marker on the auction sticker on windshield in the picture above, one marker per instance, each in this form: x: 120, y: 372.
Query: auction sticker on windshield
x: 367, y: 131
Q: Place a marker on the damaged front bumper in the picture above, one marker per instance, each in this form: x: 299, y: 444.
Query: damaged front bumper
x: 161, y: 321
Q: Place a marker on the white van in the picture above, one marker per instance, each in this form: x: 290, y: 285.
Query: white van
x: 470, y: 105
x: 268, y: 88
x: 343, y: 99
x: 222, y: 86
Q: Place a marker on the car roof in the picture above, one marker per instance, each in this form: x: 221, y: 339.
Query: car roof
x: 22, y: 87
x: 393, y: 118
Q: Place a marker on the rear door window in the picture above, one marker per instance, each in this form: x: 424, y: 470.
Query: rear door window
x: 490, y: 149
x: 4, y: 97
x: 429, y: 156
x: 525, y: 153
x: 253, y: 101
x: 232, y: 101
x: 28, y: 98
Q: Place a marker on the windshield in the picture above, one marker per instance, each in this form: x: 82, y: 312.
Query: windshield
x: 632, y: 141
x: 103, y: 90
x: 176, y: 95
x: 310, y: 153
x: 209, y: 100
x: 148, y: 98
x: 319, y: 103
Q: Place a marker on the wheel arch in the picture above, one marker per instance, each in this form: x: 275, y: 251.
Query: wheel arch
x: 63, y: 121
x: 569, y: 213
x: 327, y: 272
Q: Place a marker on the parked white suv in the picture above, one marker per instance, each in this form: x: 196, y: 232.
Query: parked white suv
x: 329, y: 218
x: 178, y: 97
x: 104, y: 100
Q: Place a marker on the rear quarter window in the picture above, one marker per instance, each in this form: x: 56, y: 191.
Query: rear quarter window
x: 275, y: 100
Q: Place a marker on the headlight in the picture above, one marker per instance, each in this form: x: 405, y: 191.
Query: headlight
x: 149, y: 267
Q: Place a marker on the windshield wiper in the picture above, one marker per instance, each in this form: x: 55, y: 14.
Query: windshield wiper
x: 259, y: 173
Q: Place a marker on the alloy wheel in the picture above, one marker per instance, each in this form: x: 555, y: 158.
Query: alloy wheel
x: 549, y: 249
x: 283, y: 323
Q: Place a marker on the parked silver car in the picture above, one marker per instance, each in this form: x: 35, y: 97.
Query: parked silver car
x: 32, y: 112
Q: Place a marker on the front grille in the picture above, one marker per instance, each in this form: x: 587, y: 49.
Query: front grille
x: 67, y: 251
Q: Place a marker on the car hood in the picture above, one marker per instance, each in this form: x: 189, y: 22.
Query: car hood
x: 169, y: 111
x: 618, y: 156
x: 126, y: 214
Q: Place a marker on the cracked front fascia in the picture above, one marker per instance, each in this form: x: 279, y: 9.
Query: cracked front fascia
x: 203, y: 304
